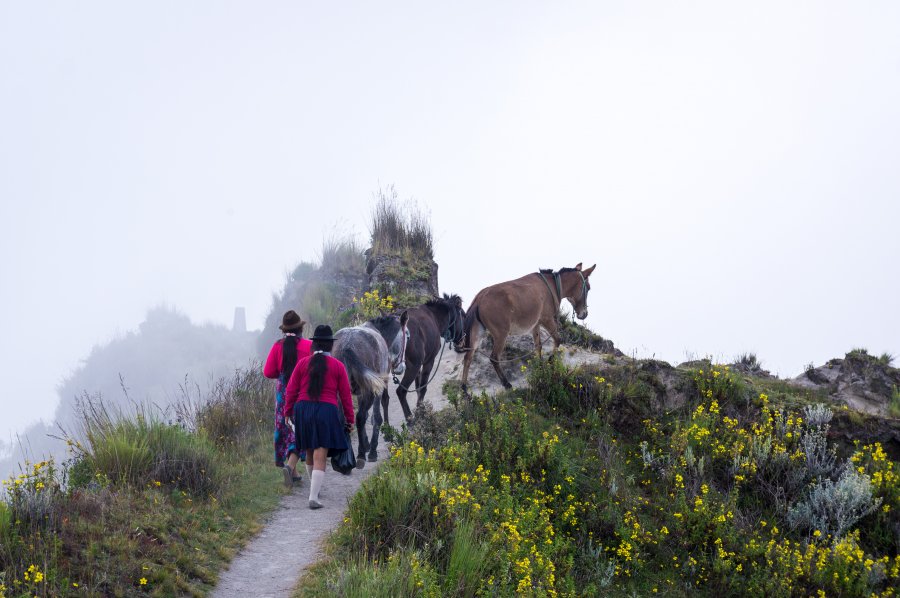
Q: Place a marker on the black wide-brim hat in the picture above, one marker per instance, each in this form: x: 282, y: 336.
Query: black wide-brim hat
x: 323, y: 333
x: 291, y: 321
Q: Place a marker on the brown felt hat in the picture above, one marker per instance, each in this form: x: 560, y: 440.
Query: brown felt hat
x: 291, y: 321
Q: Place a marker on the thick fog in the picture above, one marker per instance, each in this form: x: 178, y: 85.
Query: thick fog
x: 732, y: 169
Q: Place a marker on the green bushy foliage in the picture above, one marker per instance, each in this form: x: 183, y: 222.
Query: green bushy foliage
x: 235, y: 413
x: 143, y: 450
x: 143, y: 507
x: 894, y: 405
x: 732, y: 494
x: 834, y: 507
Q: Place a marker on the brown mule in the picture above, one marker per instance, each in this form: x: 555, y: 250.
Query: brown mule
x: 521, y: 306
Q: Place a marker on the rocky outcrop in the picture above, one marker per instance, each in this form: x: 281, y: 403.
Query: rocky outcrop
x: 861, y: 381
x: 409, y: 278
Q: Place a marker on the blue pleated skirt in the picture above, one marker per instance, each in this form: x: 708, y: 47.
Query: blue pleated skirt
x: 319, y: 425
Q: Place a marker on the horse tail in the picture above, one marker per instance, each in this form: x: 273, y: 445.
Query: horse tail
x: 361, y: 374
x: 468, y: 323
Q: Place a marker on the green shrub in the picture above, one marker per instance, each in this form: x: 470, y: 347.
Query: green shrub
x: 402, y: 573
x: 573, y: 333
x: 550, y: 383
x: 30, y: 516
x: 142, y: 450
x: 551, y: 491
x: 236, y: 413
x: 833, y: 508
x: 319, y: 303
x: 894, y: 405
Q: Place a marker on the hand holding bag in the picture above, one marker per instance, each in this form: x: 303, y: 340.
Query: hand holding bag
x: 344, y: 461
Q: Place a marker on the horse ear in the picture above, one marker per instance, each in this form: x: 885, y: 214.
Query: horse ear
x: 404, y: 317
x: 578, y: 266
x: 587, y: 272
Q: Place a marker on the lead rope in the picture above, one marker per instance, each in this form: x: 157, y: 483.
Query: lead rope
x: 433, y: 374
x: 448, y: 337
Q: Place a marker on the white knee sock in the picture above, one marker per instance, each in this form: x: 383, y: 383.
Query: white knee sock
x: 309, y: 470
x: 317, y: 478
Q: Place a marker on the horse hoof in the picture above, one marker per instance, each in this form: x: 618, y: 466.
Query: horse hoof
x: 360, y: 463
x: 507, y: 385
x: 373, y: 457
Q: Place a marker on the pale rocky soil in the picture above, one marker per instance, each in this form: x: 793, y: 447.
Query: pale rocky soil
x: 273, y: 562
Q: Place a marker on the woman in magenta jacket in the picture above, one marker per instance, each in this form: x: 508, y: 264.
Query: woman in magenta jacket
x: 280, y: 364
x: 316, y: 390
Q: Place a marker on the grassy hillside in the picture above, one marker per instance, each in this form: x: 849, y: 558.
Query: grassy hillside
x: 152, y: 364
x: 144, y: 505
x: 587, y: 482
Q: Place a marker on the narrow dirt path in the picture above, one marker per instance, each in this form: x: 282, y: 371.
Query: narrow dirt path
x: 272, y: 563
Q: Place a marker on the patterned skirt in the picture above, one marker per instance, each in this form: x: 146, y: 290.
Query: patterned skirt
x: 285, y: 443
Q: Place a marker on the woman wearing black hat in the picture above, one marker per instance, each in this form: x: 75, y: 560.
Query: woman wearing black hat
x: 316, y: 389
x: 280, y: 365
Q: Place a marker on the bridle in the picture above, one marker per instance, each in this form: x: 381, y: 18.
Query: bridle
x: 448, y: 334
x: 557, y: 279
x: 401, y: 357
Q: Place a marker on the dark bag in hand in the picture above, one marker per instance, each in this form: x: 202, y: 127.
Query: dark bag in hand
x: 344, y: 461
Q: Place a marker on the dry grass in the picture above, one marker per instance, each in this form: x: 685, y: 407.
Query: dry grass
x: 397, y: 228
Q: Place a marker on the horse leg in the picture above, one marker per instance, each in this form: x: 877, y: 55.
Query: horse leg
x: 376, y: 427
x: 365, y: 403
x: 499, y: 345
x: 402, y: 390
x: 385, y: 397
x: 474, y: 338
x: 422, y: 382
x: 552, y: 327
x: 536, y: 335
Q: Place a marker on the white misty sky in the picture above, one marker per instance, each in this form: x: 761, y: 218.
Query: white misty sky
x: 731, y: 168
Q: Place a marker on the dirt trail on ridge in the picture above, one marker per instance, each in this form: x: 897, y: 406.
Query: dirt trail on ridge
x: 271, y: 564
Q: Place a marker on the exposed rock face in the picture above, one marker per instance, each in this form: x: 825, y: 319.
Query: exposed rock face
x: 408, y: 278
x: 861, y: 381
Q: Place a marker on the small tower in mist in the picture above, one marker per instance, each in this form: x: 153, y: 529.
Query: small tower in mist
x: 240, y: 320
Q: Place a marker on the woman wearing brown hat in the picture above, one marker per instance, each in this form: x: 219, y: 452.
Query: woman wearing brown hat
x: 316, y: 390
x: 282, y: 360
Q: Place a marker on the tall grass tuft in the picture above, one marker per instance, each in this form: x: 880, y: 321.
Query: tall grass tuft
x: 141, y: 449
x: 399, y: 229
x: 468, y: 561
x: 342, y: 255
x: 236, y: 412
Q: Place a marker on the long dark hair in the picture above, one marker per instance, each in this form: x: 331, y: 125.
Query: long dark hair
x: 318, y: 365
x: 289, y: 352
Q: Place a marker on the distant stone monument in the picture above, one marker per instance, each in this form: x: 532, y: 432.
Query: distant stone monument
x: 240, y: 320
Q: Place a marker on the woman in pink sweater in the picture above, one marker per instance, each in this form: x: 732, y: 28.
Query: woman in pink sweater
x: 280, y: 365
x: 317, y: 389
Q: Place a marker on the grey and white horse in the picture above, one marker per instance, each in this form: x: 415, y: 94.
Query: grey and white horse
x: 371, y: 352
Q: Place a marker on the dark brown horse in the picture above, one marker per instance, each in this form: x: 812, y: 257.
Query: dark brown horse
x: 521, y: 306
x: 429, y: 326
